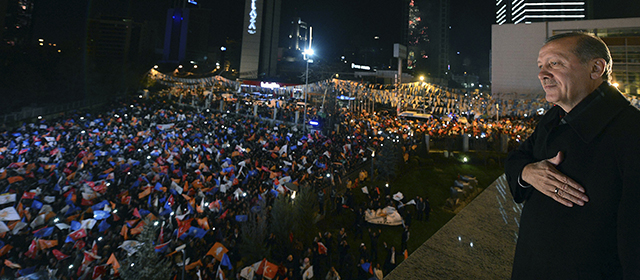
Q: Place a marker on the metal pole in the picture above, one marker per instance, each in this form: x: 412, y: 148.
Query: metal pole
x: 373, y: 156
x: 306, y: 90
x: 184, y: 263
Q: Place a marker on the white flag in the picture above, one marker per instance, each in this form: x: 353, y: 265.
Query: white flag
x: 9, y: 214
x: 365, y: 190
x: 7, y: 198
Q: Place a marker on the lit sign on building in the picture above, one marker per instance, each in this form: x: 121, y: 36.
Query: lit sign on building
x: 269, y: 85
x: 253, y: 15
x: 363, y: 67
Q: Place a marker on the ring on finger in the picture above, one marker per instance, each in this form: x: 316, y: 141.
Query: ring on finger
x: 556, y: 191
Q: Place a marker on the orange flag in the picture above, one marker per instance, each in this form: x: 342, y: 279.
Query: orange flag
x: 124, y: 232
x: 193, y: 265
x: 20, y: 209
x: 144, y: 193
x: 138, y: 228
x: 49, y: 216
x: 217, y: 251
x: 8, y: 263
x: 5, y: 249
x: 14, y: 179
x: 71, y: 218
x: 196, y: 184
x: 151, y: 217
x: 114, y: 262
x: 204, y: 223
x: 46, y: 244
x: 131, y: 223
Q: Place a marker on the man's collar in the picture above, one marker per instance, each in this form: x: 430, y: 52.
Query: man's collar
x: 595, y: 111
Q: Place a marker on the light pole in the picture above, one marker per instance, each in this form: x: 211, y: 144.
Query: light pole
x: 306, y: 54
x: 373, y: 156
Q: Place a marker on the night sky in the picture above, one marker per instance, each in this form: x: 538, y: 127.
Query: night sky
x: 338, y: 25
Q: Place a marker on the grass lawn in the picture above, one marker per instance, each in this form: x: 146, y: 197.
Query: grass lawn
x: 427, y: 175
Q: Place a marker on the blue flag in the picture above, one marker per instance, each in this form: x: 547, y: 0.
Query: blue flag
x: 68, y: 199
x: 226, y: 262
x: 36, y: 204
x: 72, y: 209
x: 367, y: 267
x: 100, y: 205
x: 101, y: 215
x: 75, y: 225
x: 43, y: 232
x: 103, y: 226
x: 162, y: 247
x: 165, y: 212
x: 27, y: 271
x: 144, y: 212
x: 197, y: 232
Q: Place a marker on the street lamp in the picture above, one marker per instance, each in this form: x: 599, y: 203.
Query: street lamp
x: 373, y: 156
x: 306, y: 54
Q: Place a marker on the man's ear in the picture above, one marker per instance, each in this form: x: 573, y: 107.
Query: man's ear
x: 598, y: 66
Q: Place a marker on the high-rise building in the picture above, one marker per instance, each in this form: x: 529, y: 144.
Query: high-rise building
x: 186, y: 34
x: 109, y: 38
x: 16, y: 21
x: 299, y: 36
x: 259, y: 54
x: 527, y: 11
x: 428, y: 39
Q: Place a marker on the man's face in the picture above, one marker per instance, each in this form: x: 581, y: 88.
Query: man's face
x: 566, y: 80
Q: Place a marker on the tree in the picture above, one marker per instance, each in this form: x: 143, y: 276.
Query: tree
x: 146, y: 263
x: 387, y: 159
x: 254, y: 233
x: 294, y: 216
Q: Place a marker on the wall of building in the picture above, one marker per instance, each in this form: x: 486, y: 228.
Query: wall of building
x: 515, y: 49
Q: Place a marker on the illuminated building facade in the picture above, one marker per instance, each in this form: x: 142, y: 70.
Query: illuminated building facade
x: 428, y: 39
x: 527, y: 11
x: 259, y: 51
x: 299, y: 36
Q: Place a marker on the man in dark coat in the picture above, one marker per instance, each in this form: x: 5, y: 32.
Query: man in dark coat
x: 391, y: 260
x: 578, y: 173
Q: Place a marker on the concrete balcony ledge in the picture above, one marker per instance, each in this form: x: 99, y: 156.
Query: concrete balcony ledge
x: 478, y: 243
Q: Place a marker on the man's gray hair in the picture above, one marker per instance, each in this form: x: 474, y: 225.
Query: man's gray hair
x: 587, y: 48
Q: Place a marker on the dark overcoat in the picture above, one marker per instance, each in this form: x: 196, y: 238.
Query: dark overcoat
x: 600, y: 139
